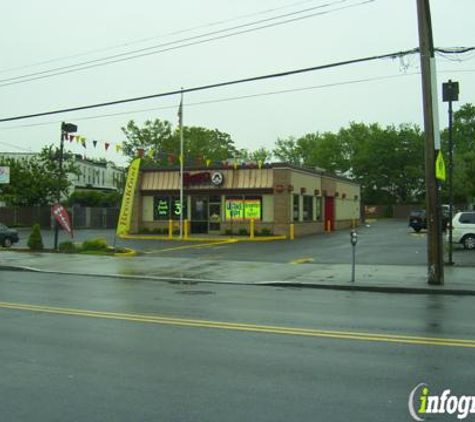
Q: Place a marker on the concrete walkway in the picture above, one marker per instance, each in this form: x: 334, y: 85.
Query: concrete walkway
x: 379, y: 278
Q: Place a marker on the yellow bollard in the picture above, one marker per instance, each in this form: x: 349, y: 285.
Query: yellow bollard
x: 252, y: 229
x: 292, y: 232
x: 186, y: 227
x: 329, y: 226
x: 170, y: 229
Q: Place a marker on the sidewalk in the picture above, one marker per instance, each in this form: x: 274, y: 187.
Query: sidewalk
x: 377, y: 278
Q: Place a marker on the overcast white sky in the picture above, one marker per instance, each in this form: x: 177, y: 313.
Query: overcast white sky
x: 37, y: 31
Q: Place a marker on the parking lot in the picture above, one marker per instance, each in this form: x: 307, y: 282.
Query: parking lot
x: 384, y: 242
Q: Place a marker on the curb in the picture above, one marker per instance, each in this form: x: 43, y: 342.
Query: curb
x: 204, y: 239
x: 285, y: 284
x: 374, y: 289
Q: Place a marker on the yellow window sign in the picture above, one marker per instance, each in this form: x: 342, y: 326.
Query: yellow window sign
x: 252, y: 209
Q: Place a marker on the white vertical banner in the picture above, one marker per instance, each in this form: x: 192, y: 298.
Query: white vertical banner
x: 4, y: 175
x: 435, y: 103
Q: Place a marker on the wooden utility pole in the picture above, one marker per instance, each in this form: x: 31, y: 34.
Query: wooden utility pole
x: 432, y: 145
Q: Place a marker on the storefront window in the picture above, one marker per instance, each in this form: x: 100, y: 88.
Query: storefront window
x: 296, y: 207
x: 166, y: 208
x: 243, y: 208
x: 308, y: 208
x: 161, y: 207
x: 175, y: 208
x: 318, y: 209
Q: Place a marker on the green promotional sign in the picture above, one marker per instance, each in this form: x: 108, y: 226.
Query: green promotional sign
x: 243, y: 209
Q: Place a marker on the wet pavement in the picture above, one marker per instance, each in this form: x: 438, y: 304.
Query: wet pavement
x: 390, y: 278
x: 120, y: 350
x: 384, y: 242
x: 389, y: 256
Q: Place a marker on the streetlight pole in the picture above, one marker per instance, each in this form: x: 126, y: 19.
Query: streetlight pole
x: 450, y: 93
x: 65, y: 129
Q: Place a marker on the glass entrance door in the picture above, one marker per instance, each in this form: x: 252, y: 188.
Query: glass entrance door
x: 199, y: 214
x: 215, y: 217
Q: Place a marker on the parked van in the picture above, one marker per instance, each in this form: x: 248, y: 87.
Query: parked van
x: 463, y: 229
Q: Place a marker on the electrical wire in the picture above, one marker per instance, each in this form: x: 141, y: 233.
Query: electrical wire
x: 146, y: 51
x: 142, y: 40
x: 215, y: 85
x: 221, y: 100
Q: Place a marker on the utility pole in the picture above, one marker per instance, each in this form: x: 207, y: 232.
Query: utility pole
x: 432, y: 145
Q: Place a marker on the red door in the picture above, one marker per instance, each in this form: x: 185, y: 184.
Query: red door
x: 329, y: 213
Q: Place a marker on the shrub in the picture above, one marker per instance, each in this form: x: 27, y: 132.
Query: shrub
x: 35, y: 241
x: 158, y: 230
x: 243, y: 232
x: 67, y: 247
x: 95, y: 245
x: 144, y: 230
x: 266, y: 232
x: 228, y: 232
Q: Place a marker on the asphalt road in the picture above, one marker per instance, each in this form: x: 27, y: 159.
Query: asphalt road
x: 386, y: 242
x: 100, y: 349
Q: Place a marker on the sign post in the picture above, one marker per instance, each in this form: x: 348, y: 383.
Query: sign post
x: 450, y: 93
x: 354, y: 241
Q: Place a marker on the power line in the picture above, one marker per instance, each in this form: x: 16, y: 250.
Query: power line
x: 215, y: 85
x: 170, y: 46
x: 222, y: 100
x: 142, y: 40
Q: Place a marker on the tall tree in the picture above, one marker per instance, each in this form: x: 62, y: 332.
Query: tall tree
x: 34, y: 181
x: 200, y: 143
x: 464, y: 156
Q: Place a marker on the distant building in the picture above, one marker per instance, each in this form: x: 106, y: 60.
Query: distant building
x: 94, y: 175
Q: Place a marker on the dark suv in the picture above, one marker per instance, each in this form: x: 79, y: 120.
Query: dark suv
x: 8, y: 236
x: 418, y: 220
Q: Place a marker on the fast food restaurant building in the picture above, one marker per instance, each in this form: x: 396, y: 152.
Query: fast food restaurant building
x: 224, y: 200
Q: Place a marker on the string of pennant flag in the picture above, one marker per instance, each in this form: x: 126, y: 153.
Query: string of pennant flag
x: 83, y: 141
x: 167, y: 158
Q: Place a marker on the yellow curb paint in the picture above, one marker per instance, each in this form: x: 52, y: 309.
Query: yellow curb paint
x: 128, y: 254
x: 302, y: 260
x: 204, y: 239
x: 266, y: 329
x: 203, y: 245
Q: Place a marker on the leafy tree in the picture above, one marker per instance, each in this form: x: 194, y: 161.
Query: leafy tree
x: 464, y: 156
x: 199, y: 143
x: 261, y: 155
x: 288, y: 150
x: 388, y: 162
x: 35, y: 181
x: 95, y: 199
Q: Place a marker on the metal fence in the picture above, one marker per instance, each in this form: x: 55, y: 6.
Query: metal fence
x: 81, y: 217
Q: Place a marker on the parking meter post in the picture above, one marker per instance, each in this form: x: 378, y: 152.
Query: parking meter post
x: 354, y: 241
